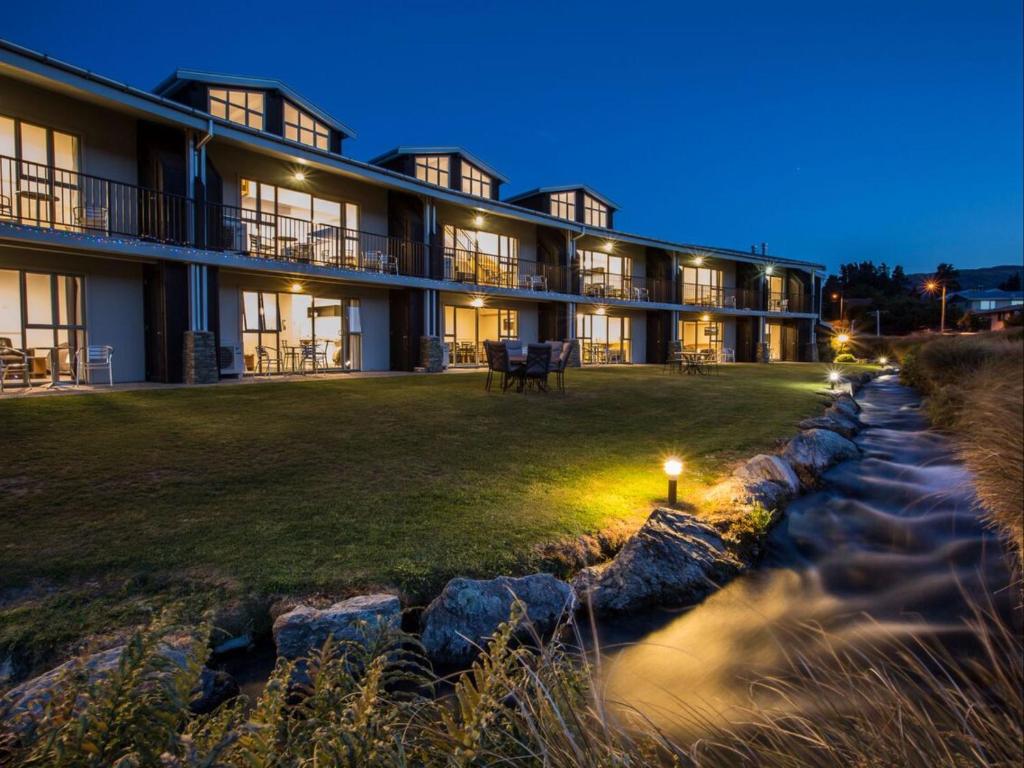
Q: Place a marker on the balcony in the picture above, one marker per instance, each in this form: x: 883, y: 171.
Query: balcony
x: 38, y: 195
x: 476, y: 268
x: 596, y: 283
x: 783, y: 302
x: 282, y: 238
x: 715, y: 297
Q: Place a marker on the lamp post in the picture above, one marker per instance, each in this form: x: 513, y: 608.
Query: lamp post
x: 839, y: 297
x: 673, y: 468
x: 932, y: 286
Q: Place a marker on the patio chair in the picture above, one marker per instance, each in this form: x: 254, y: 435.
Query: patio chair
x: 674, y: 357
x: 6, y: 211
x: 94, y: 358
x: 728, y: 355
x: 561, y: 351
x: 267, y: 358
x: 538, y: 366
x: 90, y: 217
x: 13, y: 361
x: 498, y: 362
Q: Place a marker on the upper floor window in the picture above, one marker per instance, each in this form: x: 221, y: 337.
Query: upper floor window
x: 304, y: 128
x: 702, y: 285
x: 242, y: 107
x: 595, y: 213
x: 563, y: 205
x: 433, y: 169
x: 475, y: 181
x: 605, y: 274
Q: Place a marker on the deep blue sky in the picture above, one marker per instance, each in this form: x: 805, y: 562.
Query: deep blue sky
x: 833, y: 131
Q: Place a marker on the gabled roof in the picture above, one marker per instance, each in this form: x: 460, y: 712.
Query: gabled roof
x: 404, y: 150
x: 170, y: 84
x: 989, y: 294
x: 567, y: 188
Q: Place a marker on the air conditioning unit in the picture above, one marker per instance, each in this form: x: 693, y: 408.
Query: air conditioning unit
x: 230, y: 360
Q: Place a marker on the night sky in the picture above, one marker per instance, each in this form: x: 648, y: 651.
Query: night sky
x: 889, y: 131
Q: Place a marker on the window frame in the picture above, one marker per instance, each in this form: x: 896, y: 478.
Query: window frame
x: 423, y: 163
x: 226, y: 101
x: 595, y: 209
x: 563, y: 205
x: 476, y: 178
x: 318, y: 130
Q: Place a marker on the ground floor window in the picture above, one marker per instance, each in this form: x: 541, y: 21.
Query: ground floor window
x: 773, y: 338
x: 42, y: 314
x: 467, y: 328
x: 604, y: 339
x: 698, y: 335
x: 292, y: 332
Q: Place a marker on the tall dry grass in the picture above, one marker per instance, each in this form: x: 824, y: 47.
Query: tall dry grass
x: 975, y: 387
x: 374, y: 705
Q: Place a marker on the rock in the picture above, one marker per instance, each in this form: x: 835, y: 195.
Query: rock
x: 468, y: 611
x: 772, y: 468
x: 845, y: 404
x: 673, y: 559
x: 812, y: 452
x: 215, y: 687
x: 238, y: 621
x: 833, y: 420
x: 29, y: 699
x: 304, y: 629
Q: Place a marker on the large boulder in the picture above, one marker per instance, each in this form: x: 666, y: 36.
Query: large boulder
x: 812, y: 452
x: 304, y: 630
x: 468, y: 611
x: 763, y: 481
x: 846, y: 405
x: 673, y: 559
x: 27, y: 701
x: 833, y: 420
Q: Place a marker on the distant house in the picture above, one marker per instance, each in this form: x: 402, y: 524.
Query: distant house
x: 1000, y: 317
x: 975, y: 301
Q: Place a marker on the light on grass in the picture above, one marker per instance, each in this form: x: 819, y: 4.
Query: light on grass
x: 673, y: 468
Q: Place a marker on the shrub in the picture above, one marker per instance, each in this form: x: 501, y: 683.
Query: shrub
x: 845, y: 357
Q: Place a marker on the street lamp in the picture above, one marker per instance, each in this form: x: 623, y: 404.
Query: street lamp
x: 931, y: 287
x: 839, y: 297
x: 673, y: 468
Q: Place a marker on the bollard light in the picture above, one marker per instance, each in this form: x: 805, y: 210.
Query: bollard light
x: 833, y: 379
x: 673, y: 468
x: 883, y: 360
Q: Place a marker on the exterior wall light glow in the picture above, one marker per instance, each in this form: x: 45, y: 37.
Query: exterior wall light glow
x: 769, y: 270
x: 478, y: 220
x: 477, y: 302
x: 600, y: 310
x: 705, y: 317
x: 608, y: 246
x: 296, y: 287
x: 698, y: 261
x: 300, y: 176
x: 673, y: 469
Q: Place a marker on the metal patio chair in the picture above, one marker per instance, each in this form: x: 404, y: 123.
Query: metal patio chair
x: 94, y: 358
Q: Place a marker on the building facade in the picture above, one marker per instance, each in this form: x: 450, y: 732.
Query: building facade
x: 225, y: 207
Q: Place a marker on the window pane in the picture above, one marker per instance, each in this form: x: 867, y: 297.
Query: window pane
x: 256, y: 102
x: 10, y: 306
x: 351, y: 216
x: 237, y: 97
x: 298, y: 205
x: 69, y: 300
x: 6, y: 137
x: 38, y: 298
x: 270, y: 322
x: 33, y: 143
x: 250, y: 311
x: 65, y: 151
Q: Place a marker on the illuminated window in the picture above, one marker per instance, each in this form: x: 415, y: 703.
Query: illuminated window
x: 242, y: 107
x: 481, y: 257
x: 563, y: 205
x: 433, y: 169
x: 304, y: 128
x: 603, y: 338
x: 605, y: 274
x: 697, y: 335
x: 595, y: 213
x: 702, y: 286
x: 475, y: 181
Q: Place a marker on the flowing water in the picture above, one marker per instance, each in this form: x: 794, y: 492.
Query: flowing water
x: 892, y: 545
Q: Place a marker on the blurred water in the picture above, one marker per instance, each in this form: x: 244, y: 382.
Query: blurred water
x: 892, y: 545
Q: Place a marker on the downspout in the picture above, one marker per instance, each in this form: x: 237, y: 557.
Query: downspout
x: 206, y: 136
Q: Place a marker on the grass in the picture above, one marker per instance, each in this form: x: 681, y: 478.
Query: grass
x: 114, y: 502
x: 975, y: 386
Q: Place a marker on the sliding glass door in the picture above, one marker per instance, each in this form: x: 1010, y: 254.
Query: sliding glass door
x: 43, y: 314
x: 604, y: 339
x: 467, y: 328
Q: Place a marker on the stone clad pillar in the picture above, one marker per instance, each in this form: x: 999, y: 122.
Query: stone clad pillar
x: 201, y: 358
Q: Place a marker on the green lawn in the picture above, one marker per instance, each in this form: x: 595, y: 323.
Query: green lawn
x: 339, y: 485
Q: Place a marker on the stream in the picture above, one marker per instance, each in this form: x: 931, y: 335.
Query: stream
x: 892, y: 545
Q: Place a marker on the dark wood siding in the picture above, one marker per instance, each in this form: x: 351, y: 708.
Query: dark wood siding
x: 165, y: 318
x: 406, y: 324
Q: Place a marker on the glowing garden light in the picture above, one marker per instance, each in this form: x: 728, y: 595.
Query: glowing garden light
x: 883, y: 360
x: 834, y: 377
x: 673, y: 468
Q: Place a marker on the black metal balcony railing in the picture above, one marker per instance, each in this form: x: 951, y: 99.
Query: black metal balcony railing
x: 788, y: 302
x: 717, y: 297
x: 272, y: 236
x: 39, y: 195
x: 606, y: 285
x: 476, y: 268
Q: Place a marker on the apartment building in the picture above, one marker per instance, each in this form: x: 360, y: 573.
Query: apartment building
x: 215, y: 227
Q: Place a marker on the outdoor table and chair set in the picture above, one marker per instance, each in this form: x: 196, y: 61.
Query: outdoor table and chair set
x: 696, y: 362
x: 509, y: 367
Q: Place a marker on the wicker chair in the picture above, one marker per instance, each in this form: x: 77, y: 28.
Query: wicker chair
x: 538, y: 366
x: 498, y: 362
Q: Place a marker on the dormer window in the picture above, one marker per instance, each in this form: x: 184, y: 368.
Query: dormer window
x: 304, y: 128
x: 595, y: 213
x: 563, y: 205
x: 238, y: 106
x: 475, y: 181
x: 433, y: 169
